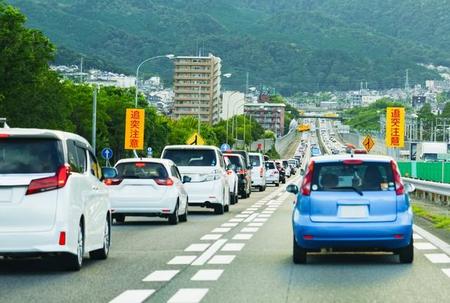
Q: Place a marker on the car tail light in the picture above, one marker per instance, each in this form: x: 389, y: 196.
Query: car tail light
x: 140, y: 164
x: 59, y: 180
x: 261, y: 172
x: 399, y: 188
x: 307, y: 237
x: 307, y: 180
x: 62, y: 238
x: 399, y: 236
x: 241, y: 172
x: 353, y: 162
x: 110, y: 182
x: 4, y: 136
x: 164, y: 182
x: 229, y: 172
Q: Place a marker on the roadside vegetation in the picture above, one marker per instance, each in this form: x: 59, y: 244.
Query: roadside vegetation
x: 439, y: 221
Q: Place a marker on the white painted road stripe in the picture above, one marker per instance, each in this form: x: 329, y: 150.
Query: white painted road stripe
x: 438, y: 258
x: 233, y: 247
x: 257, y: 224
x: 188, y: 295
x: 253, y: 216
x: 264, y: 216
x: 222, y: 259
x: 211, y: 237
x: 260, y: 220
x: 182, y: 260
x: 161, y: 276
x: 446, y: 271
x: 209, y: 253
x: 241, y: 216
x: 201, y: 247
x: 433, y: 239
x: 417, y: 237
x: 424, y: 246
x: 249, y: 230
x: 230, y: 224
x: 243, y: 237
x: 247, y: 212
x: 207, y: 275
x: 221, y: 230
x: 236, y: 220
x: 133, y: 296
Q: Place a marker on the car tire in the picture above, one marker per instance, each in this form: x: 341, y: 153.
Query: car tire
x: 226, y: 208
x: 173, y: 217
x: 219, y: 209
x: 406, y: 254
x: 284, y: 181
x: 236, y: 198
x: 277, y: 184
x: 244, y: 195
x: 119, y: 219
x: 102, y: 253
x: 232, y: 199
x: 75, y: 262
x: 184, y: 217
x: 299, y: 254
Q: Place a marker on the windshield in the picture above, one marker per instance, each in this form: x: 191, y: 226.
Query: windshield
x: 30, y: 155
x: 141, y: 170
x: 368, y: 176
x: 235, y: 160
x: 191, y: 157
x: 255, y: 160
x: 270, y: 165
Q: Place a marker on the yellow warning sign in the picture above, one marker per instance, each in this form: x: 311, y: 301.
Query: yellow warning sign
x: 134, y: 129
x: 395, y: 127
x: 195, y: 139
x: 368, y: 143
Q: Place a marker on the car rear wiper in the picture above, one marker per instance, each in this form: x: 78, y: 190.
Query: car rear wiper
x: 350, y: 187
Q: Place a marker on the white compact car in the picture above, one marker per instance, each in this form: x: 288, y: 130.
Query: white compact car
x: 206, y: 168
x: 272, y: 173
x: 258, y: 171
x: 233, y: 182
x: 148, y: 187
x: 52, y: 199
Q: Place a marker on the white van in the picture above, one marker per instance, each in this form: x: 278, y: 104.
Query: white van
x: 52, y: 199
x: 258, y: 171
x: 205, y: 166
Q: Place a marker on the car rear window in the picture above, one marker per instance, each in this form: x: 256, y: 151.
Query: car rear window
x: 30, y: 155
x: 368, y: 176
x: 141, y: 170
x: 255, y: 160
x: 244, y: 155
x: 191, y: 157
x: 270, y: 165
x: 235, y: 160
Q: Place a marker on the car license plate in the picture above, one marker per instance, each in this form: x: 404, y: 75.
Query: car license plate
x: 5, y: 195
x: 353, y: 211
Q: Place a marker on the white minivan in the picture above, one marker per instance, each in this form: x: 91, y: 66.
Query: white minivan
x: 258, y: 171
x: 205, y: 166
x: 52, y: 199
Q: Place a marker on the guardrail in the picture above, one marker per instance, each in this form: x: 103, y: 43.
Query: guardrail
x: 441, y: 189
x: 428, y: 171
x: 282, y: 143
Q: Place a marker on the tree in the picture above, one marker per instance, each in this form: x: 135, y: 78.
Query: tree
x: 446, y: 111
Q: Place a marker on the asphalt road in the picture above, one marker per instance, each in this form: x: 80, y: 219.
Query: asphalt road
x: 247, y: 260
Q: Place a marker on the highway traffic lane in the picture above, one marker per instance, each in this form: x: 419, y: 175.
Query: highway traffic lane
x: 139, y: 246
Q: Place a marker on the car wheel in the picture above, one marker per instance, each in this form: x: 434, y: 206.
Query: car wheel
x: 261, y: 188
x: 406, y: 254
x: 173, y: 218
x: 102, y: 253
x: 231, y: 198
x: 219, y: 209
x: 71, y: 261
x: 184, y: 217
x: 299, y: 254
x: 226, y: 208
x: 277, y: 184
x: 284, y: 181
x: 236, y: 198
x: 119, y: 219
x: 244, y: 195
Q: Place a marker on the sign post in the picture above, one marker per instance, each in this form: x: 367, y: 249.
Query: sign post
x: 368, y: 143
x: 134, y: 129
x: 107, y: 154
x: 395, y: 127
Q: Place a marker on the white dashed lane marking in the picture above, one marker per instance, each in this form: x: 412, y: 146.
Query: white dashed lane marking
x: 207, y: 275
x: 233, y: 247
x: 230, y: 224
x: 221, y: 259
x: 188, y: 295
x: 197, y: 247
x: 133, y: 296
x: 257, y: 224
x: 253, y: 216
x: 242, y: 216
x: 209, y: 253
x: 249, y: 229
x: 236, y: 220
x: 182, y: 260
x: 438, y: 258
x: 424, y: 246
x: 221, y: 230
x: 211, y: 237
x: 417, y: 237
x: 161, y: 276
x: 247, y: 212
x: 260, y: 220
x: 242, y: 236
x: 446, y: 271
x: 264, y: 216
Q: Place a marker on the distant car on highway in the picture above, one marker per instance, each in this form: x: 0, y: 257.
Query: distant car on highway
x: 272, y: 173
x: 233, y: 181
x: 148, y: 187
x: 281, y: 171
x: 347, y: 203
x: 244, y: 177
x: 359, y: 151
x: 258, y: 171
x: 52, y: 199
x: 205, y: 166
x: 315, y: 151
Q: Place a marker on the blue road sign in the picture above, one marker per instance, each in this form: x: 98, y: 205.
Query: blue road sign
x: 107, y: 153
x: 224, y: 147
x: 149, y: 151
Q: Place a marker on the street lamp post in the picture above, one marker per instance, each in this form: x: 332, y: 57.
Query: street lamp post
x: 228, y: 112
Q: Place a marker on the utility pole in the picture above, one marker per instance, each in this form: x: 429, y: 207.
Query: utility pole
x: 246, y: 88
x: 94, y: 118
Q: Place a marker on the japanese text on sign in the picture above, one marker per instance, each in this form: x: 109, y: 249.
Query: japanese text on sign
x: 134, y: 128
x: 395, y: 127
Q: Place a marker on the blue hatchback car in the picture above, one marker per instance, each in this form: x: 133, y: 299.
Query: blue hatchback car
x: 352, y: 202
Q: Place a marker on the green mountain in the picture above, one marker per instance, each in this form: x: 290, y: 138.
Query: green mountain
x: 292, y: 45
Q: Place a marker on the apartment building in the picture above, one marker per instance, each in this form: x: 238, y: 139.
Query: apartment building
x: 269, y: 115
x: 197, y: 88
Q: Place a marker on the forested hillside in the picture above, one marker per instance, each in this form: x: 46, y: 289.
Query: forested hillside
x: 292, y: 45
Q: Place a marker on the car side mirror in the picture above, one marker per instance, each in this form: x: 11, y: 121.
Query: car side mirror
x: 186, y: 179
x: 292, y: 188
x: 109, y: 172
x: 409, y: 188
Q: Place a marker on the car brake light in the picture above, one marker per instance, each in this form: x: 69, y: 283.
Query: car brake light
x: 399, y: 188
x: 241, y: 172
x: 4, y: 135
x: 353, y: 162
x: 261, y: 172
x: 62, y: 238
x: 229, y: 172
x: 110, y: 182
x: 398, y: 236
x: 139, y: 164
x: 164, y: 182
x: 307, y: 237
x: 307, y: 180
x: 59, y: 180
